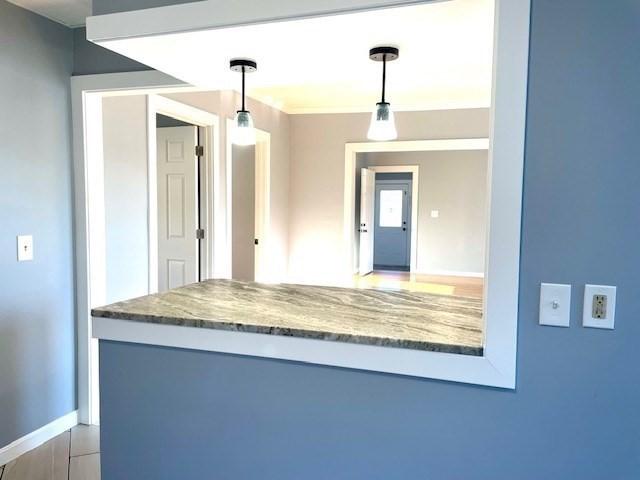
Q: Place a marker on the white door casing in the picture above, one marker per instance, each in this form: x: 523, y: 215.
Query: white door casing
x: 177, y: 207
x: 367, y: 214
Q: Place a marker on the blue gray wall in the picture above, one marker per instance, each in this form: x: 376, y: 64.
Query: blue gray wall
x: 101, y: 7
x: 37, y: 333
x: 89, y: 58
x: 575, y: 412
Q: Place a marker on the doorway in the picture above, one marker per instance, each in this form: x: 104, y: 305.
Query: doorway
x: 179, y: 186
x: 392, y: 222
x: 385, y: 209
x: 249, y: 207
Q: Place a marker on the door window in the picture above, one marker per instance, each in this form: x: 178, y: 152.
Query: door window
x: 390, y: 208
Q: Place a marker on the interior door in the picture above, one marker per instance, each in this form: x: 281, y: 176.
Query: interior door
x: 367, y: 211
x: 177, y: 207
x: 392, y: 248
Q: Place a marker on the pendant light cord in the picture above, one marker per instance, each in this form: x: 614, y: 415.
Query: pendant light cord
x: 243, y: 88
x: 384, y: 75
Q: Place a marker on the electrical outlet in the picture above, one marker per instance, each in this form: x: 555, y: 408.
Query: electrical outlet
x: 599, y: 307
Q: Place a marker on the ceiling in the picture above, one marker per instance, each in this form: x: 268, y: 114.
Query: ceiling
x: 71, y: 13
x: 321, y: 64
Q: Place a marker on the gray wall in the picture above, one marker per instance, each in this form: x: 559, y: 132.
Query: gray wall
x: 316, y: 207
x: 163, y: 121
x: 37, y: 330
x: 89, y: 58
x: 455, y: 184
x: 575, y: 411
x: 126, y: 197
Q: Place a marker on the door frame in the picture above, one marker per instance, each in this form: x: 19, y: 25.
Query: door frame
x: 87, y: 92
x: 350, y: 161
x: 415, y: 190
x: 263, y: 270
x: 157, y: 104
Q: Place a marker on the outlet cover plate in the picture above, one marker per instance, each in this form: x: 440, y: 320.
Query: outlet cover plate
x: 555, y: 304
x: 588, y: 319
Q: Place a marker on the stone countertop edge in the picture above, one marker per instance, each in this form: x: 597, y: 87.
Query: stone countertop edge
x: 119, y: 311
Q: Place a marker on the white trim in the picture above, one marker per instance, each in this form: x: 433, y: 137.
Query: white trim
x: 437, y: 365
x: 415, y: 191
x: 38, y: 437
x: 452, y: 273
x: 506, y: 159
x: 86, y: 106
x: 211, y: 124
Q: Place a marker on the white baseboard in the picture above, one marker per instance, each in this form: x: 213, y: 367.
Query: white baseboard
x: 38, y: 437
x: 453, y: 273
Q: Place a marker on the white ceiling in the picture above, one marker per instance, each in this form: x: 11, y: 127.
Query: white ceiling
x: 322, y: 65
x: 72, y: 13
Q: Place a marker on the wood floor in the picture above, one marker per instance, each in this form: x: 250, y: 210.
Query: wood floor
x: 72, y: 455
x: 438, y: 284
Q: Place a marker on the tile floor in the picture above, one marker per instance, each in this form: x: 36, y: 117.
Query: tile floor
x: 72, y: 455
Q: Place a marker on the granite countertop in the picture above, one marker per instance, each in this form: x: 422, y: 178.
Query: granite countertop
x: 401, y: 319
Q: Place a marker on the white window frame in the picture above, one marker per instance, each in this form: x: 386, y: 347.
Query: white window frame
x: 497, y: 367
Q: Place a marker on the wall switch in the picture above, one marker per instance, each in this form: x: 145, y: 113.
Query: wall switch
x: 435, y: 213
x: 555, y: 304
x: 25, y: 248
x: 599, y: 308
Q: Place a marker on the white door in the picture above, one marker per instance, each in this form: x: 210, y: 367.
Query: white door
x: 367, y: 211
x: 177, y: 207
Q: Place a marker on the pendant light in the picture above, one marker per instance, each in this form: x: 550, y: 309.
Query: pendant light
x: 383, y: 124
x: 243, y: 132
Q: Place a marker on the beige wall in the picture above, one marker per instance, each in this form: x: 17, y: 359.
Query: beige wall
x: 224, y: 104
x: 125, y: 197
x: 307, y: 179
x: 316, y: 196
x: 243, y: 213
x: 455, y: 184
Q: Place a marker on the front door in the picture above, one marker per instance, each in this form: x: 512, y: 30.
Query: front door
x: 177, y: 207
x: 392, y: 225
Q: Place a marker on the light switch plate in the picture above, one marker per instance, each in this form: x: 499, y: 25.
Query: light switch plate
x: 25, y: 248
x: 590, y: 314
x: 435, y: 213
x: 555, y: 304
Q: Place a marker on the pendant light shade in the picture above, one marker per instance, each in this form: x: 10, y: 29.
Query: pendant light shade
x: 243, y: 131
x: 383, y: 123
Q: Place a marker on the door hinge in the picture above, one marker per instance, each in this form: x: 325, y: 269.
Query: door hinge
x: 199, y: 151
x: 199, y: 233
